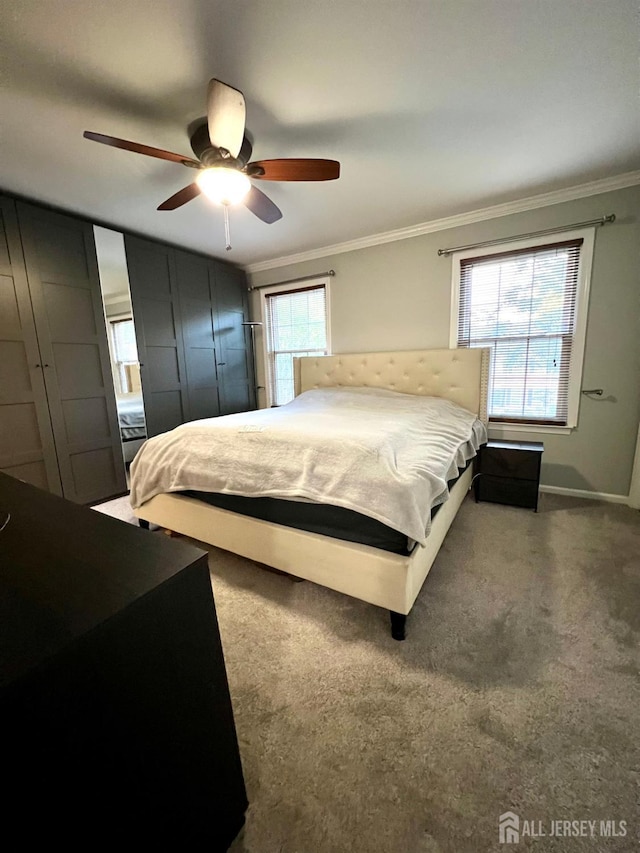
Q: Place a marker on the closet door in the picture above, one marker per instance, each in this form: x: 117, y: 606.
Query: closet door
x: 62, y: 271
x: 233, y: 341
x: 156, y: 314
x: 196, y: 283
x: 27, y: 450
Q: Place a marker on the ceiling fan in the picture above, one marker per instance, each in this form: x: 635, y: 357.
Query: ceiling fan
x: 223, y: 152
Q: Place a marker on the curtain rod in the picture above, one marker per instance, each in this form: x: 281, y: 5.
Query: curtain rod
x: 294, y: 280
x: 602, y: 221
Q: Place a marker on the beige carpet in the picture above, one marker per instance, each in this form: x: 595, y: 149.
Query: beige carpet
x: 518, y: 688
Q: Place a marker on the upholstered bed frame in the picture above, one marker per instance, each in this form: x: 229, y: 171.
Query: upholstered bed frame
x: 379, y: 577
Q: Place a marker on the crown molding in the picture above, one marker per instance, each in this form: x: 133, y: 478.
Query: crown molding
x: 604, y: 185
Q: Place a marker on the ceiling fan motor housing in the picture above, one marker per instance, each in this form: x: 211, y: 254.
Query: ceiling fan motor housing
x: 209, y: 155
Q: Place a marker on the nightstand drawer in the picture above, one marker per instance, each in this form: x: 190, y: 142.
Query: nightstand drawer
x: 507, y: 490
x: 508, y: 462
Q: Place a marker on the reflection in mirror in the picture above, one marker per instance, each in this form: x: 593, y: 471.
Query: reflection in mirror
x: 116, y: 297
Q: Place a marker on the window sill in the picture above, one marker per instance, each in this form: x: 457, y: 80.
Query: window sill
x: 498, y: 430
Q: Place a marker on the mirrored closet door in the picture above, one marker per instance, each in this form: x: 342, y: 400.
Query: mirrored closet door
x: 125, y: 366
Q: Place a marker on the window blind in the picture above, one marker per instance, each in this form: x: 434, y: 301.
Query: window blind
x: 522, y: 304
x: 296, y: 326
x: 125, y: 351
x: 124, y: 340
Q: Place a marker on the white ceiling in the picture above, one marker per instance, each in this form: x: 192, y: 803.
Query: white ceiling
x: 433, y: 107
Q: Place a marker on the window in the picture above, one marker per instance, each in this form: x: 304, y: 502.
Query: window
x: 528, y: 304
x: 125, y: 353
x: 296, y: 325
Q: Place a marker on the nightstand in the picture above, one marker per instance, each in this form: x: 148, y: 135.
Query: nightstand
x: 508, y: 472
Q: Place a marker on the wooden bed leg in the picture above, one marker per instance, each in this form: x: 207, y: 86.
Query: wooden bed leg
x: 143, y: 523
x: 398, y: 625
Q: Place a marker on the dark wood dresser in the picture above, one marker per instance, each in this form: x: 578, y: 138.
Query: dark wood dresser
x: 508, y: 472
x: 116, y: 721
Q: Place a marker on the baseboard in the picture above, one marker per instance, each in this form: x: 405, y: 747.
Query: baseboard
x: 583, y: 493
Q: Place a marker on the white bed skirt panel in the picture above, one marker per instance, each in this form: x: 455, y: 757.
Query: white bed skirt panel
x: 370, y: 574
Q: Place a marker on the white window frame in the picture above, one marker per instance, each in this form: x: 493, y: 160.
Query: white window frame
x: 587, y: 235
x: 116, y: 365
x: 288, y: 288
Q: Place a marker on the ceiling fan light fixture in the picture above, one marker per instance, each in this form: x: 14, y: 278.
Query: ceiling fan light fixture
x: 222, y: 185
x: 223, y: 147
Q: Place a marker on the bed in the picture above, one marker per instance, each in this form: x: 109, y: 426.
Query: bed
x: 133, y: 430
x: 373, y: 574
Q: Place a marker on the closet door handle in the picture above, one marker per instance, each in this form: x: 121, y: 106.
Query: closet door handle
x: 221, y: 363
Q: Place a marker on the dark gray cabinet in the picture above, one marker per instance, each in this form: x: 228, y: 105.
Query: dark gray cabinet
x: 58, y: 419
x: 196, y: 286
x: 233, y: 340
x: 27, y: 450
x: 195, y: 354
x: 156, y: 313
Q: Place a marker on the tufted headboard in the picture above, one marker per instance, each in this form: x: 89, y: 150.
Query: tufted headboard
x: 461, y: 375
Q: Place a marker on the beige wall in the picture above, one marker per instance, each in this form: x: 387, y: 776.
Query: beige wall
x: 113, y: 309
x: 397, y: 296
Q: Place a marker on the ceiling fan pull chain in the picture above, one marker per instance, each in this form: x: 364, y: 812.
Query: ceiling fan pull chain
x: 227, y: 232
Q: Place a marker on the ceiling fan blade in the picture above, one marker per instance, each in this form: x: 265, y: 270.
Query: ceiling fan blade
x: 244, y: 155
x: 160, y: 153
x: 226, y: 115
x: 181, y: 197
x: 294, y: 170
x: 262, y: 206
